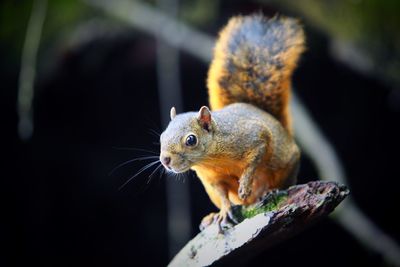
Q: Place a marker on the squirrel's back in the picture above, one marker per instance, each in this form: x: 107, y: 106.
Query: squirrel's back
x: 254, y: 59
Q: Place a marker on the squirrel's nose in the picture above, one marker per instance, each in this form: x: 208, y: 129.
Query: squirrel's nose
x: 166, y: 160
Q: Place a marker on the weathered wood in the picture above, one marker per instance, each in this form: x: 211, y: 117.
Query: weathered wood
x: 278, y: 216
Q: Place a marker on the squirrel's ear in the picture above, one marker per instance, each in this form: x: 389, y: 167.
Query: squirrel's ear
x: 172, y: 113
x: 205, y: 118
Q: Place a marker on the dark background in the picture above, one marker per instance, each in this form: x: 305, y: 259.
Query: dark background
x: 95, y: 96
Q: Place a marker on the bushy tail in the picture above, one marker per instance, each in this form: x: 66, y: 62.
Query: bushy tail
x: 254, y: 59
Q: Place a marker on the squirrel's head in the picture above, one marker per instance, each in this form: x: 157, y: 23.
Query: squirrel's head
x: 186, y: 139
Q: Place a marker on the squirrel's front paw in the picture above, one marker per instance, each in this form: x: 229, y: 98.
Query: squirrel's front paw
x: 224, y: 219
x: 244, y: 190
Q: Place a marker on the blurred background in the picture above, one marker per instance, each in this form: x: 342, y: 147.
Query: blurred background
x: 87, y: 85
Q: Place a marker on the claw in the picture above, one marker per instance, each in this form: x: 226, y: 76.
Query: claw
x: 224, y: 219
x: 224, y: 222
x: 208, y: 220
x: 232, y: 217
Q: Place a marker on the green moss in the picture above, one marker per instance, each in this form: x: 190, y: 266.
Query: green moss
x: 273, y: 201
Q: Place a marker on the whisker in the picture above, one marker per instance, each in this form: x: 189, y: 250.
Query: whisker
x: 162, y: 172
x: 170, y: 174
x: 179, y: 176
x: 154, y: 132
x: 130, y: 161
x: 139, y: 172
x: 136, y: 149
x: 155, y: 170
x: 185, y: 176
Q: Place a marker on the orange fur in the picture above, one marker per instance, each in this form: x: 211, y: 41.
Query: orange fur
x: 227, y: 172
x: 242, y: 83
x: 243, y: 71
x: 245, y: 145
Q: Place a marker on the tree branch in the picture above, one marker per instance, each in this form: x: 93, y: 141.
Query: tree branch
x: 28, y: 68
x: 281, y: 214
x: 311, y: 139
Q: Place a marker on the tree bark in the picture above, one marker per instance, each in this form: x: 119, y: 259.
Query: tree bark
x: 281, y: 214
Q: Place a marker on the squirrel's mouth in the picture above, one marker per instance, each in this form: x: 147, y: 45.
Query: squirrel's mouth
x: 179, y: 170
x: 174, y: 163
x: 176, y: 169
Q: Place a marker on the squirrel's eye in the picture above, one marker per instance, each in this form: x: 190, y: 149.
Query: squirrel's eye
x: 191, y: 140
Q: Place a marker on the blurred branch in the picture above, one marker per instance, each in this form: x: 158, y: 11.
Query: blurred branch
x: 328, y: 165
x: 264, y: 225
x: 160, y: 25
x: 309, y: 135
x: 28, y: 69
x: 169, y: 87
x: 363, y: 34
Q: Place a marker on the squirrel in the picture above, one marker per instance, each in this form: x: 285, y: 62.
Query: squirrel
x: 244, y: 147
